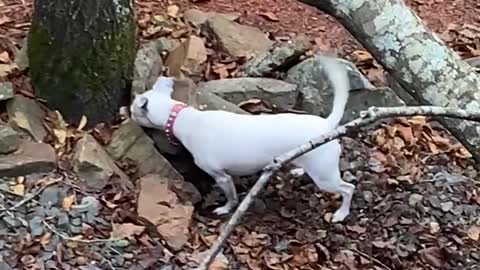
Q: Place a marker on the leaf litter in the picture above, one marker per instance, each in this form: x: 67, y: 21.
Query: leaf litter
x: 411, y: 210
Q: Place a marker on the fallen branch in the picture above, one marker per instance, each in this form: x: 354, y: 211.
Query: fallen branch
x: 368, y: 117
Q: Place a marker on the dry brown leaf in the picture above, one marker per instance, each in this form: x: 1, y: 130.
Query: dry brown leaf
x: 434, y: 256
x: 18, y: 189
x: 270, y: 16
x: 405, y: 133
x: 362, y: 56
x: 68, y: 202
x: 83, y: 123
x: 474, y: 233
x: 126, y: 230
x: 45, y: 240
x: 172, y: 11
x: 357, y: 229
x: 221, y: 70
x: 4, y: 57
x: 6, y: 69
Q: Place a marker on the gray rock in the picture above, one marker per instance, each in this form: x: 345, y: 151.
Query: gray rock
x: 147, y: 67
x: 236, y: 39
x: 473, y: 61
x: 280, y: 56
x: 88, y: 204
x: 21, y: 57
x: 11, y: 222
x: 36, y: 226
x: 400, y: 91
x: 75, y: 229
x: 164, y: 44
x: 26, y: 115
x: 197, y: 17
x: 53, y: 212
x: 94, y: 166
x: 129, y: 141
x: 31, y: 157
x: 188, y: 59
x: 76, y: 221
x: 317, y: 92
x: 6, y: 90
x: 9, y: 139
x: 207, y: 101
x: 50, y: 196
x: 63, y: 220
x: 4, y: 266
x: 362, y: 99
x: 279, y: 93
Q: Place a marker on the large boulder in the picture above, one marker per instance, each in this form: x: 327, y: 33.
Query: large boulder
x: 130, y: 142
x: 147, y: 67
x: 279, y: 57
x: 278, y: 93
x: 27, y: 116
x: 197, y: 17
x: 9, y: 139
x: 234, y: 38
x: 30, y: 157
x: 317, y: 91
x: 94, y: 166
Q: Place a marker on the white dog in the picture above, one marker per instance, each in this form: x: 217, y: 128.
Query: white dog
x: 225, y: 144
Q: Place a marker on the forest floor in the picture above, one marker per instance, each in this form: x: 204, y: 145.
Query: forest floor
x: 417, y: 203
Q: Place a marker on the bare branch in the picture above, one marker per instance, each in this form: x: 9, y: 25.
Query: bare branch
x: 368, y: 117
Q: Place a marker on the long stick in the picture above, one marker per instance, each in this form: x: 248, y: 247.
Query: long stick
x: 366, y: 118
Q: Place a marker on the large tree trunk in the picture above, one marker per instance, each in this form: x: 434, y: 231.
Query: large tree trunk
x: 415, y: 57
x: 81, y: 56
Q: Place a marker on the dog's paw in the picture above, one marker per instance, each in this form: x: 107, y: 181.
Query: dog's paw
x: 222, y: 210
x: 339, y: 216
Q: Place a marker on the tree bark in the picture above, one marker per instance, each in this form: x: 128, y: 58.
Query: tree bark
x: 415, y: 57
x: 81, y: 56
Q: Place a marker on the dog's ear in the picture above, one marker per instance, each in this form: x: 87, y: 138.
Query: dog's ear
x: 164, y: 85
x: 142, y: 103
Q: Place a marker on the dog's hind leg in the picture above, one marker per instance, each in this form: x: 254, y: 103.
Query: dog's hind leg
x: 225, y: 182
x: 322, y: 166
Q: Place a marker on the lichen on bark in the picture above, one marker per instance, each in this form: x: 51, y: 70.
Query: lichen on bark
x: 81, y: 56
x: 415, y: 57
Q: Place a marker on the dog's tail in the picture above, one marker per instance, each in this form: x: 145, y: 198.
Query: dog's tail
x: 337, y: 74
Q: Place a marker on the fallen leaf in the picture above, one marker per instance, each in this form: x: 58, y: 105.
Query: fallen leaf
x: 4, y: 57
x: 362, y: 56
x: 6, y: 69
x: 83, y: 123
x: 159, y: 18
x: 68, y: 202
x: 357, y: 229
x: 45, y: 240
x: 434, y: 256
x: 18, y: 189
x: 474, y: 233
x: 172, y: 11
x: 270, y: 16
x: 126, y: 230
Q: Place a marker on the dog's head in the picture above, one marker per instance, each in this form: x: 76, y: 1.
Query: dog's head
x: 152, y: 108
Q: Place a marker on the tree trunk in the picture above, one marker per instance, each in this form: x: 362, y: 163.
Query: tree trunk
x: 81, y: 56
x: 415, y: 57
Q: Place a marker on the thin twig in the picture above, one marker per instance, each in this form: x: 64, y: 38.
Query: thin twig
x: 29, y: 198
x: 368, y: 257
x: 368, y: 117
x: 73, y: 239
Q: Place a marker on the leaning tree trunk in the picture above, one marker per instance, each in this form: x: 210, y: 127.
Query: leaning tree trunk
x: 81, y: 55
x: 415, y: 57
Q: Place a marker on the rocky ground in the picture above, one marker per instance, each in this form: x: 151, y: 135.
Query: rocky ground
x: 120, y: 197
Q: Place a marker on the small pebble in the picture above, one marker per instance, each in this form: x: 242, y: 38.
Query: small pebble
x: 36, y: 226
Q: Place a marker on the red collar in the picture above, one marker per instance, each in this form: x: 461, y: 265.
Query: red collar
x: 171, y: 120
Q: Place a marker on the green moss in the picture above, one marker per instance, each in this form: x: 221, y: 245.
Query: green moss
x: 84, y: 66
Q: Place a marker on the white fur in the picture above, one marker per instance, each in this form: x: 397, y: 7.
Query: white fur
x: 225, y: 144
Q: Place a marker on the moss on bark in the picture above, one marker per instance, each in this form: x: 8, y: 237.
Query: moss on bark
x: 81, y: 55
